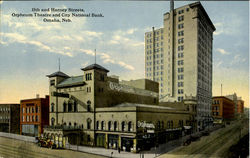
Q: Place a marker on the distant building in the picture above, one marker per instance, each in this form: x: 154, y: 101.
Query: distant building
x: 34, y: 115
x: 9, y: 118
x: 179, y: 57
x: 238, y: 104
x: 222, y: 109
x: 97, y: 110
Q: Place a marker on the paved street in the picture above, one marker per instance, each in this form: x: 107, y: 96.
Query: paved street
x: 216, y: 144
x: 11, y: 148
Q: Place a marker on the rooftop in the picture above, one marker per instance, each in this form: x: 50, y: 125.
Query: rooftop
x: 71, y: 81
x: 95, y: 66
x: 58, y: 73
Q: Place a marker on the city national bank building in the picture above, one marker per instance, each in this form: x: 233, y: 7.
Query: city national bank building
x: 95, y: 109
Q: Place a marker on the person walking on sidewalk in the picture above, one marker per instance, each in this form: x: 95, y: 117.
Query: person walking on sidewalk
x: 119, y: 150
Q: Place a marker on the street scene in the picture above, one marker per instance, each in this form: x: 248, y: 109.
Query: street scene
x: 124, y: 79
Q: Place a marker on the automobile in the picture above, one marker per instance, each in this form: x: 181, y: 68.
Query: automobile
x: 45, y: 142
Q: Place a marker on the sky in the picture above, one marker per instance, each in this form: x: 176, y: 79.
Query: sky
x: 30, y: 48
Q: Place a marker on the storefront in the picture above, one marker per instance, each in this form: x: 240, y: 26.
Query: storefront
x: 113, y: 141
x: 31, y: 130
x: 127, y: 144
x: 100, y: 140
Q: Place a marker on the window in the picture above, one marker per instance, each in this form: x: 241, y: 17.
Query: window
x: 37, y: 118
x: 75, y: 106
x: 52, y: 107
x: 180, y: 48
x: 102, y: 125
x: 180, y: 55
x: 180, y: 84
x: 180, y: 98
x: 180, y: 91
x: 180, y: 77
x: 64, y: 107
x: 52, y: 82
x: 88, y: 76
x: 88, y: 89
x: 180, y: 11
x: 102, y: 77
x: 109, y: 125
x: 69, y: 106
x: 181, y: 33
x: 88, y: 105
x: 180, y: 26
x: 88, y: 123
x: 52, y: 121
x: 36, y: 109
x: 97, y: 125
x: 181, y: 18
x: 181, y: 40
x: 123, y: 126
x: 130, y: 126
x: 181, y: 69
x: 180, y: 62
x: 115, y: 126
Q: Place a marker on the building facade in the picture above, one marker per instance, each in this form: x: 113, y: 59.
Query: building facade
x: 9, y: 118
x: 34, y: 115
x: 97, y: 110
x: 238, y: 104
x: 179, y: 57
x: 222, y: 109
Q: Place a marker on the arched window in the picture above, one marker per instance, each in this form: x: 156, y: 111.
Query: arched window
x: 52, y: 121
x: 69, y: 123
x: 75, y: 106
x: 64, y: 107
x: 109, y: 125
x: 89, y: 123
x: 130, y: 126
x: 52, y: 107
x: 75, y: 124
x: 171, y: 125
x: 102, y: 125
x: 69, y: 106
x: 97, y: 125
x: 158, y: 124
x: 115, y: 126
x: 162, y: 124
x: 123, y: 126
x: 88, y: 105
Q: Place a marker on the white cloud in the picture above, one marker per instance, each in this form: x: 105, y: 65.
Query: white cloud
x: 222, y: 51
x: 107, y: 59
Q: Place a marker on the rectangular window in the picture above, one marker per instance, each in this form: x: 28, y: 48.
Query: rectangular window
x: 181, y: 18
x: 180, y: 26
x: 181, y: 40
x: 52, y: 82
x: 180, y: 62
x: 180, y: 84
x: 180, y: 77
x: 181, y: 33
x: 180, y: 55
x: 88, y: 76
x: 180, y: 48
x: 181, y: 69
x: 181, y: 11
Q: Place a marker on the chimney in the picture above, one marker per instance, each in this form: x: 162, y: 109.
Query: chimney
x: 37, y: 96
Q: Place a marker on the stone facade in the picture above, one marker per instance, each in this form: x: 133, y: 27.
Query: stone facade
x: 97, y: 110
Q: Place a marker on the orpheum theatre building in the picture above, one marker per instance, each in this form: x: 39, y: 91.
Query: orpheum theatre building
x: 95, y: 109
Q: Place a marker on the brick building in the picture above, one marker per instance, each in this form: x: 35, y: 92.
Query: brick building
x: 222, y: 109
x: 9, y: 118
x: 34, y: 115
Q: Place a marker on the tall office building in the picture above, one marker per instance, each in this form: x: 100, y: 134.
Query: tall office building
x: 179, y: 57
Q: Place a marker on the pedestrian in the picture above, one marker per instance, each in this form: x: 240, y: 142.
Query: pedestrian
x: 119, y: 150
